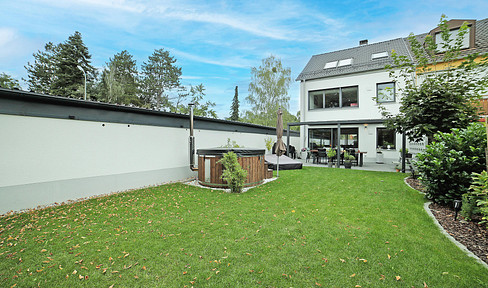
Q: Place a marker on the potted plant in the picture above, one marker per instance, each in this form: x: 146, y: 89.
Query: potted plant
x: 347, y: 160
x: 331, y: 153
x: 407, y: 155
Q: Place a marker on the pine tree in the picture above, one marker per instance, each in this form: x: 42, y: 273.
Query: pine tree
x: 234, y: 109
x: 120, y: 80
x: 159, y: 76
x: 42, y: 73
x: 69, y: 80
x: 7, y: 81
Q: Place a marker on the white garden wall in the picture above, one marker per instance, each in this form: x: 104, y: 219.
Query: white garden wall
x: 46, y: 160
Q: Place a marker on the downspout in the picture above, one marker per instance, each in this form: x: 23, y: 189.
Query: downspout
x: 192, y: 141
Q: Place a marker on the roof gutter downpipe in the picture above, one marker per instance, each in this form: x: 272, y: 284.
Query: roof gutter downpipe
x: 192, y: 140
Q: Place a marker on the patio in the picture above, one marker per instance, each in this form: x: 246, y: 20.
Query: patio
x: 368, y: 165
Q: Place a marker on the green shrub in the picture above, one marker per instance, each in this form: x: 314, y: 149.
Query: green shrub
x: 445, y: 167
x: 469, y: 209
x: 348, y: 157
x: 479, y: 193
x: 233, y: 173
x: 331, y: 153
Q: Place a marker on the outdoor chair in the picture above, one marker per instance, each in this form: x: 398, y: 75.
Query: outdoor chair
x: 322, y: 154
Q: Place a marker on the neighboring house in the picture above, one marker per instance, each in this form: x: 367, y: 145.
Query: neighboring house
x: 340, y: 91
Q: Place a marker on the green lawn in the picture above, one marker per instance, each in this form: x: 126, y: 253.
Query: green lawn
x: 312, y: 227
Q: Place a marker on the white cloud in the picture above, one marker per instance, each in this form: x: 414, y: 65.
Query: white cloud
x: 236, y: 62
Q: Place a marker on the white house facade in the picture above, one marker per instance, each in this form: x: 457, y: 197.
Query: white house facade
x: 341, y: 91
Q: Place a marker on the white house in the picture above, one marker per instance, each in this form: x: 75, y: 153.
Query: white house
x: 341, y: 91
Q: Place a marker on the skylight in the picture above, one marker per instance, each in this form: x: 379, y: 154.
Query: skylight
x: 379, y: 55
x: 345, y: 62
x: 331, y: 64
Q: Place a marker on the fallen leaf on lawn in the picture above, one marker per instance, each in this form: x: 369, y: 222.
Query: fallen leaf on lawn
x: 184, y: 272
x: 104, y: 270
x: 74, y: 272
x: 67, y: 276
x: 292, y: 211
x: 318, y: 284
x: 445, y: 273
x: 382, y: 277
x: 217, y: 272
x: 389, y: 257
x: 143, y: 267
x: 364, y: 260
x: 113, y: 272
x: 342, y: 260
x: 81, y: 277
x: 357, y: 286
x: 43, y: 250
x: 398, y: 278
x: 126, y: 255
x: 111, y: 286
x: 135, y: 276
x: 353, y: 275
x: 425, y: 285
x: 209, y: 277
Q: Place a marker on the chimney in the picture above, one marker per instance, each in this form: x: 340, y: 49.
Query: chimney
x: 363, y: 42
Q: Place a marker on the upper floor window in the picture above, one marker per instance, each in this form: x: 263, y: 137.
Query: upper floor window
x: 336, y: 97
x: 379, y: 55
x: 453, y: 35
x: 385, y: 92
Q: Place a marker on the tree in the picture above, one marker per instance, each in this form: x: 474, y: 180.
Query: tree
x: 234, y: 109
x: 120, y: 80
x: 197, y: 94
x: 443, y: 99
x: 6, y: 81
x: 159, y: 76
x: 42, y: 73
x: 268, y: 91
x: 69, y: 79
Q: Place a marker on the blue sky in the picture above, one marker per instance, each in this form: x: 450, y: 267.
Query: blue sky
x: 216, y: 42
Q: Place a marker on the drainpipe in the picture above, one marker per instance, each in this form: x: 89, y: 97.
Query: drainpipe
x: 192, y: 140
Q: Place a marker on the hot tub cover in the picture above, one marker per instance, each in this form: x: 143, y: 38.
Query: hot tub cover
x: 286, y: 163
x: 238, y: 151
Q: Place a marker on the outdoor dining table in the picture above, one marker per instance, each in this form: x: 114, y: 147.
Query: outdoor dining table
x: 361, y: 156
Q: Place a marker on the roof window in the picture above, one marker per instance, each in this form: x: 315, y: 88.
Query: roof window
x: 345, y: 62
x: 331, y: 64
x: 379, y: 55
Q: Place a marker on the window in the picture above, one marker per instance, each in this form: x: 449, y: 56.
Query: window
x: 385, y: 138
x: 316, y: 100
x: 379, y: 55
x: 385, y: 92
x: 345, y: 62
x: 329, y: 65
x: 327, y: 137
x: 350, y: 96
x: 453, y: 34
x: 332, y: 98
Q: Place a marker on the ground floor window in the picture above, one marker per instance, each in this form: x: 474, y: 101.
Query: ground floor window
x: 385, y: 138
x: 327, y: 137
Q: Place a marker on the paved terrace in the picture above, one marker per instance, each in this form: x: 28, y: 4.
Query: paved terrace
x: 370, y: 165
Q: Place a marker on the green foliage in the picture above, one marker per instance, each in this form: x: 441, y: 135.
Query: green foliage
x: 348, y: 157
x: 268, y: 141
x: 479, y: 194
x: 120, y: 82
x: 447, y: 163
x: 234, y: 109
x: 268, y: 91
x: 231, y: 144
x: 233, y: 173
x: 196, y: 94
x: 42, y: 73
x: 69, y: 79
x: 159, y: 77
x: 331, y: 153
x: 6, y: 81
x: 436, y: 101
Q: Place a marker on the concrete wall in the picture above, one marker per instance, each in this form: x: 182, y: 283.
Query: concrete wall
x: 51, y: 158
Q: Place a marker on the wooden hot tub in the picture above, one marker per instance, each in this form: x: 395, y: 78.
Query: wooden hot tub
x: 210, y: 171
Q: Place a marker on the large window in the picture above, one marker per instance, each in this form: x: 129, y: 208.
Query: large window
x: 327, y: 137
x: 336, y: 97
x: 385, y: 92
x: 385, y: 138
x: 453, y: 34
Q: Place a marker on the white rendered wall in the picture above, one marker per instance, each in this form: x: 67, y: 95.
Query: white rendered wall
x: 45, y: 160
x: 368, y: 109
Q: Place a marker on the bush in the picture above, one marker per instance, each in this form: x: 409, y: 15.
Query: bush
x: 479, y: 193
x: 233, y: 173
x: 445, y: 167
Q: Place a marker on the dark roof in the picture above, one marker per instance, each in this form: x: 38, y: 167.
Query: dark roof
x: 362, y: 55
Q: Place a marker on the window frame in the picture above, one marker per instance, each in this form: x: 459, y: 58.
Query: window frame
x: 383, y: 146
x: 340, y: 98
x: 394, y: 92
